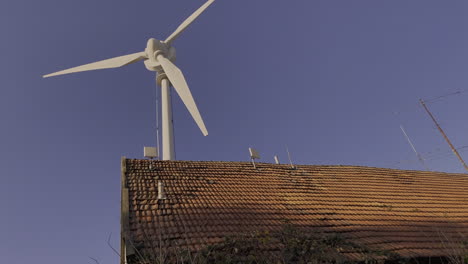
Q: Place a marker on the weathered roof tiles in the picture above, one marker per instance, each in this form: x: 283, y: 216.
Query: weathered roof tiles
x: 412, y: 213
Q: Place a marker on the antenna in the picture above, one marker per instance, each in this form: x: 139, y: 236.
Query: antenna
x: 444, y: 135
x: 150, y: 152
x: 414, y: 149
x: 253, y: 156
x: 289, y: 157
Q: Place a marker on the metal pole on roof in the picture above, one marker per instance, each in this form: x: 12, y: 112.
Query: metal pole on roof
x: 289, y: 157
x: 414, y: 149
x: 444, y: 135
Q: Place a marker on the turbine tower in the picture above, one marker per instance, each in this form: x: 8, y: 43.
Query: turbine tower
x: 158, y: 56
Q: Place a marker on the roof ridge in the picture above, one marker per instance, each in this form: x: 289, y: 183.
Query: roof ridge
x: 298, y: 166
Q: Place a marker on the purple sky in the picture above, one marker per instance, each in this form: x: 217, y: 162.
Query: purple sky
x: 323, y: 77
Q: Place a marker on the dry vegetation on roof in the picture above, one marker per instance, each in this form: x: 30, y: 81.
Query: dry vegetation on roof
x: 289, y: 245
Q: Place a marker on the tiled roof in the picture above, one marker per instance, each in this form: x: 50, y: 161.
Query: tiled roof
x: 412, y: 213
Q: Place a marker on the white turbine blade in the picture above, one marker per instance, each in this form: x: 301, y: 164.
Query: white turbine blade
x: 180, y: 85
x: 104, y: 64
x: 188, y: 21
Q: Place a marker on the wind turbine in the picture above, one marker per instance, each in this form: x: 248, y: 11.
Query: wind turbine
x: 159, y: 56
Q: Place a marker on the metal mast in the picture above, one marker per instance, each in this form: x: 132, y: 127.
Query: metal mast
x: 168, y: 152
x: 443, y: 134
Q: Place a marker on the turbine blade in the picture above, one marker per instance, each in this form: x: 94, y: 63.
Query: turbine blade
x: 104, y: 64
x: 188, y: 21
x: 180, y: 85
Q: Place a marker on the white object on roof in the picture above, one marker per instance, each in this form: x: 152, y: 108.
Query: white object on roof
x: 161, y: 192
x: 254, y: 154
x: 150, y: 152
x: 276, y: 159
x: 289, y: 157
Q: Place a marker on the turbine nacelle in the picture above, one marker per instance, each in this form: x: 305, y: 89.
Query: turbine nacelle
x: 154, y: 48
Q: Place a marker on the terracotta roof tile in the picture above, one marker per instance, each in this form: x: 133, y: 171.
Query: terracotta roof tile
x: 412, y: 213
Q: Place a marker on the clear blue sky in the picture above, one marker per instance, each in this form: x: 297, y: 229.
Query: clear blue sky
x: 323, y: 77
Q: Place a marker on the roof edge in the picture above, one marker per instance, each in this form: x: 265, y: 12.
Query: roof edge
x: 297, y: 166
x: 125, y: 249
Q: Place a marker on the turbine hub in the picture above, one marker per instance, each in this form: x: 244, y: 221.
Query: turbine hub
x: 155, y: 48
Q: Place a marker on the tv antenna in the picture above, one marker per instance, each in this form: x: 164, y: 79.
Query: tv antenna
x: 159, y: 56
x: 253, y: 156
x: 444, y: 135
